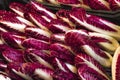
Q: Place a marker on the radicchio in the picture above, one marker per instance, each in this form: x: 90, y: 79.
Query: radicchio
x: 58, y: 26
x: 38, y: 33
x: 30, y: 71
x: 40, y: 56
x: 64, y: 15
x: 6, y: 13
x: 42, y: 9
x: 15, y: 23
x: 115, y: 65
x: 62, y: 51
x: 114, y: 4
x: 95, y: 23
x: 13, y: 40
x: 35, y: 44
x: 104, y: 41
x: 99, y: 4
x: 103, y: 26
x: 18, y: 8
x: 58, y: 64
x: 39, y: 20
x: 81, y: 40
x: 89, y: 69
x: 13, y: 55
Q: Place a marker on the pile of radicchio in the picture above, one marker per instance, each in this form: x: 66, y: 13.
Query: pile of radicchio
x: 37, y: 44
x: 106, y: 5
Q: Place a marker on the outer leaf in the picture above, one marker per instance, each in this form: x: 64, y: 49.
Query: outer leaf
x: 8, y: 13
x: 35, y: 44
x: 38, y: 33
x: 62, y: 51
x: 16, y: 23
x: 18, y: 8
x: 64, y: 15
x: 39, y: 20
x: 106, y: 42
x: 39, y: 56
x: 3, y: 47
x: 13, y: 55
x: 58, y: 26
x: 13, y: 40
x: 115, y: 65
x: 99, y: 4
x: 58, y: 64
x: 40, y: 8
x: 114, y: 4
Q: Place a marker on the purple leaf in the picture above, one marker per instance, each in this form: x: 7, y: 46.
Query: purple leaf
x: 64, y: 15
x: 94, y: 23
x: 6, y: 13
x: 104, y: 41
x: 61, y: 75
x: 59, y: 64
x: 15, y: 23
x: 40, y: 20
x: 99, y: 5
x: 35, y: 44
x: 58, y: 26
x: 38, y: 33
x: 42, y: 9
x: 13, y: 40
x: 40, y: 56
x: 89, y: 69
x: 30, y: 71
x: 18, y: 8
x: 81, y: 40
x: 62, y: 51
x: 114, y: 4
x: 13, y: 55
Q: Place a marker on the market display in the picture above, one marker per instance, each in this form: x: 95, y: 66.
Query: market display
x: 38, y: 44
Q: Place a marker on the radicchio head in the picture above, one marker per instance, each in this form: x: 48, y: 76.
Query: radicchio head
x: 89, y: 69
x: 81, y: 40
x: 35, y: 44
x: 30, y: 71
x: 13, y: 40
x: 40, y: 56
